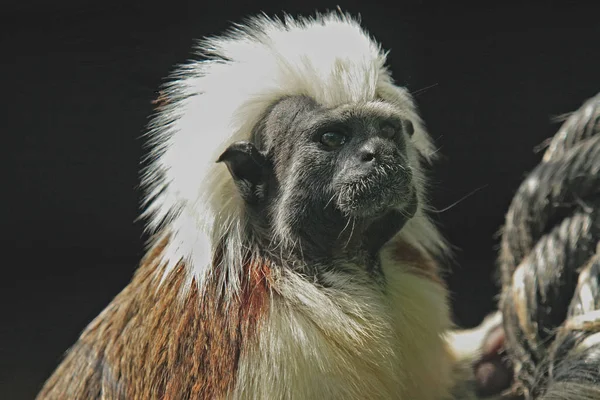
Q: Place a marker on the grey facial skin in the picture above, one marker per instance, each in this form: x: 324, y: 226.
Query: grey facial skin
x: 336, y: 182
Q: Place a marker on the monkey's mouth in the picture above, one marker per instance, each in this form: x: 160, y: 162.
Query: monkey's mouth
x: 374, y: 194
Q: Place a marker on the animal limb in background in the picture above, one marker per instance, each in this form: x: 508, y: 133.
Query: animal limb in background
x: 292, y: 255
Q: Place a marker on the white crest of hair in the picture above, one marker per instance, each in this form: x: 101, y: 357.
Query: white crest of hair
x: 217, y: 101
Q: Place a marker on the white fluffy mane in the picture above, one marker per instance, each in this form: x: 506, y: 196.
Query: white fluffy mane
x: 215, y: 102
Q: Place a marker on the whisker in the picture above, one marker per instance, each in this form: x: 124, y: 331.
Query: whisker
x: 330, y: 200
x: 347, y: 223
x: 351, y: 232
x: 458, y: 201
x: 417, y: 92
x: 433, y: 152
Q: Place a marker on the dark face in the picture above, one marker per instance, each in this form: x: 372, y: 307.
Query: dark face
x: 326, y: 180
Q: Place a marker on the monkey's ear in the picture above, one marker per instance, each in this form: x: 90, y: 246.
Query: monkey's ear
x: 408, y: 126
x: 249, y: 169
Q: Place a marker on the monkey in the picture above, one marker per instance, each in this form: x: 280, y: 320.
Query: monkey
x: 291, y: 255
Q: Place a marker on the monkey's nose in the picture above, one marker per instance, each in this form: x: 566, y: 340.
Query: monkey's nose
x: 367, y: 156
x: 371, y: 151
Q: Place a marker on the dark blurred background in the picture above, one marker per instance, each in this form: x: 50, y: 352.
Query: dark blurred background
x: 77, y: 80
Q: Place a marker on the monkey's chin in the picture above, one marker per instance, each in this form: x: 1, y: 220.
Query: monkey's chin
x: 382, y: 190
x: 382, y: 229
x: 387, y: 223
x: 376, y: 203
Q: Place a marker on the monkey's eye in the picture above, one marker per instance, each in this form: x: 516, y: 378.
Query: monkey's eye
x: 388, y: 131
x: 333, y: 140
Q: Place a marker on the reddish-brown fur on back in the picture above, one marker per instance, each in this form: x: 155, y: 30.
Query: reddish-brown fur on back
x: 158, y: 341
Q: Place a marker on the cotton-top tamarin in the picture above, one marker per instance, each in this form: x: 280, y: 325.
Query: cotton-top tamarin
x: 292, y: 255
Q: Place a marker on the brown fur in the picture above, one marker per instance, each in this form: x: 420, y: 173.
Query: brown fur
x: 153, y: 342
x: 419, y: 263
x: 161, y: 101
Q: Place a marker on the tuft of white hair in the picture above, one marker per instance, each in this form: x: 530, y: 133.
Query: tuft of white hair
x: 218, y: 100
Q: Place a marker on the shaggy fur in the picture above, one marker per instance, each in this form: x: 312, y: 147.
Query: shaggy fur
x: 208, y: 314
x: 216, y: 102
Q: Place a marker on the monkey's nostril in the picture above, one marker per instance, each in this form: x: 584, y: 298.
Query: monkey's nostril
x: 367, y: 156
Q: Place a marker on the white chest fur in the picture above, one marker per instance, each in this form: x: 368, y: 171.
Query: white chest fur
x: 352, y: 341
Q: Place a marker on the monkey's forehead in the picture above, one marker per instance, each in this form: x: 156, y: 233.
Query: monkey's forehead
x: 294, y: 119
x: 377, y: 108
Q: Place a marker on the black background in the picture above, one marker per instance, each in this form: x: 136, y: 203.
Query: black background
x: 77, y: 81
